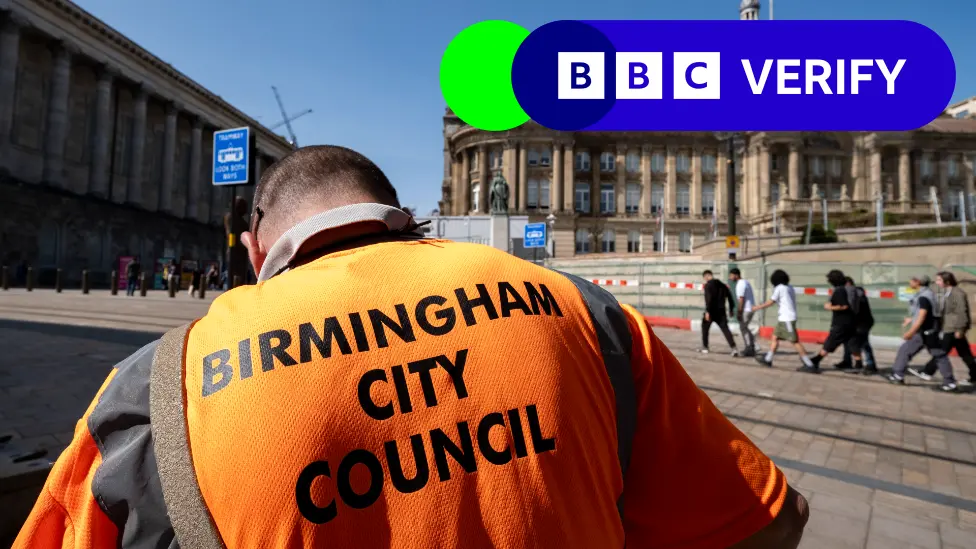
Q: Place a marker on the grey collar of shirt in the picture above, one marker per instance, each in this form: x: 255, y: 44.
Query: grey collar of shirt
x: 333, y: 227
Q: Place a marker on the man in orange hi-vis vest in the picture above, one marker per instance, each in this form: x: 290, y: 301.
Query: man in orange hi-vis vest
x: 379, y: 389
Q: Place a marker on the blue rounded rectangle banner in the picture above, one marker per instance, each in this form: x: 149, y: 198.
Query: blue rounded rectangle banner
x: 733, y: 75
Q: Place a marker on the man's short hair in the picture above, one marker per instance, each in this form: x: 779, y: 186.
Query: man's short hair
x: 849, y: 280
x: 735, y: 272
x: 321, y: 173
x: 706, y: 273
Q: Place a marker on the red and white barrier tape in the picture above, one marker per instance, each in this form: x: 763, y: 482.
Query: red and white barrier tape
x: 876, y: 294
x: 611, y: 282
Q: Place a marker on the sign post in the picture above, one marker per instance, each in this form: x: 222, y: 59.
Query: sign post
x: 232, y: 167
x: 535, y: 235
x: 732, y: 246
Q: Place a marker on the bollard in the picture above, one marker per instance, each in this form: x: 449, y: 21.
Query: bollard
x: 143, y: 284
x: 171, y: 286
x: 237, y: 281
x: 5, y: 283
x: 30, y: 279
x: 203, y: 289
x: 115, y: 283
x: 57, y: 281
x: 84, y: 281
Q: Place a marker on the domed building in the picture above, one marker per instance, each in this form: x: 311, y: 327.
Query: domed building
x: 613, y: 191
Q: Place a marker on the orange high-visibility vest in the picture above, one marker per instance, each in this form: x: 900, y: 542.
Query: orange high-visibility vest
x: 404, y: 390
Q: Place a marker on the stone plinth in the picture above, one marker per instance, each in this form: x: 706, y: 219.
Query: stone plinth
x: 500, y: 237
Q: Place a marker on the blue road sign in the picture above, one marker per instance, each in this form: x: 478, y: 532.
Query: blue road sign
x: 231, y: 156
x: 535, y: 235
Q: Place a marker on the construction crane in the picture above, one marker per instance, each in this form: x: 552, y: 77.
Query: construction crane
x: 287, y: 120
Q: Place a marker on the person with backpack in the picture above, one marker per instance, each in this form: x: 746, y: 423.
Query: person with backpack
x: 923, y: 333
x: 717, y: 294
x: 864, y: 321
x: 784, y: 296
x: 956, y: 321
x: 842, y: 323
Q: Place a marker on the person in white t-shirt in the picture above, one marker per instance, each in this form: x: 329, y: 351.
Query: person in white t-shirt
x: 785, y: 297
x: 746, y: 302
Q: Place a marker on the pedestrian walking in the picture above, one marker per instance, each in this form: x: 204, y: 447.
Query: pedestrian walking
x: 956, y: 321
x: 196, y: 280
x: 744, y: 311
x: 784, y: 297
x: 173, y: 277
x: 842, y: 323
x: 717, y: 294
x: 448, y: 380
x: 923, y: 333
x: 132, y: 271
x: 864, y: 322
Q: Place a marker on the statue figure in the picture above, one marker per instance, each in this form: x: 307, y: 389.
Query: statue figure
x: 499, y: 195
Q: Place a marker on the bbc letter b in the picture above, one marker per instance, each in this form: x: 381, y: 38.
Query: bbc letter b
x: 580, y: 75
x: 697, y: 75
x: 639, y: 75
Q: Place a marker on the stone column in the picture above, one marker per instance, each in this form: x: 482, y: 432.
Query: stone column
x: 875, y: 163
x: 694, y: 201
x: 523, y: 178
x: 169, y: 159
x: 510, y: 167
x: 856, y: 180
x: 764, y: 187
x: 620, y: 194
x: 904, y: 178
x: 136, y: 169
x: 595, y: 182
x: 569, y: 178
x: 57, y: 115
x: 101, y: 158
x: 485, y: 178
x: 464, y: 185
x: 9, y: 60
x: 671, y: 185
x: 556, y: 185
x: 794, y: 175
x: 721, y: 177
x: 943, y: 188
x: 645, y: 202
x: 196, y: 157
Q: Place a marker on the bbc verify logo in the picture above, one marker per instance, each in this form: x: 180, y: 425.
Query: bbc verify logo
x: 639, y: 75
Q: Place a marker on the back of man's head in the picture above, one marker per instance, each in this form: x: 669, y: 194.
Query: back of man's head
x: 735, y: 273
x: 313, y: 179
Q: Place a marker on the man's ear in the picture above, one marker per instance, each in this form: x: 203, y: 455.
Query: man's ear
x: 256, y: 251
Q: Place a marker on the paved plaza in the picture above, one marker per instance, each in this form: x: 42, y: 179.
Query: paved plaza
x: 883, y: 466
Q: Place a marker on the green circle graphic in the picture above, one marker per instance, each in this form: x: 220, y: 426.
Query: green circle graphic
x: 476, y: 75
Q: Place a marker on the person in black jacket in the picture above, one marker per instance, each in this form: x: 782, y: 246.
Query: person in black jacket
x: 864, y: 321
x: 843, y: 323
x: 717, y: 294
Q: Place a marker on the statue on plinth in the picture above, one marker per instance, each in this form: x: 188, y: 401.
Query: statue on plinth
x: 499, y: 195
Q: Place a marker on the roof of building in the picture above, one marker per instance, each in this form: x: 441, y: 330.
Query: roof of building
x: 950, y: 125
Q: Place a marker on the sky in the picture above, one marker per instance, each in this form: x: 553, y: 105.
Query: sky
x: 369, y: 68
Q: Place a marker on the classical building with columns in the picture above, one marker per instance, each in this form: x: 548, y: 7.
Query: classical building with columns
x: 105, y: 150
x: 611, y: 192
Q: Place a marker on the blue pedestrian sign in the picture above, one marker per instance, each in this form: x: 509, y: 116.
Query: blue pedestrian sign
x: 535, y: 235
x: 231, y: 156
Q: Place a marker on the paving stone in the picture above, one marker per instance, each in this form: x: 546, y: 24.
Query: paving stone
x: 847, y: 507
x: 819, y: 484
x: 955, y: 537
x: 909, y: 533
x: 836, y: 529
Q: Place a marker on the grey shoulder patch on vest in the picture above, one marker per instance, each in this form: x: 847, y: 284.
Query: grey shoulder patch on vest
x: 616, y: 342
x: 126, y: 484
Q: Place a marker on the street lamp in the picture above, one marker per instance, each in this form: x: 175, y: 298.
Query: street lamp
x: 735, y: 141
x: 551, y: 219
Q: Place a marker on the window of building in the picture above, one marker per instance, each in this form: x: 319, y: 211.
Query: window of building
x: 658, y: 163
x: 953, y: 167
x: 833, y: 191
x: 533, y: 157
x: 473, y: 161
x: 776, y: 162
x: 774, y: 193
x: 835, y: 165
x: 582, y: 161
x: 609, y: 241
x: 633, y: 162
x: 607, y: 204
x: 495, y: 159
x: 608, y: 162
x: 582, y: 241
x: 684, y: 163
x: 582, y: 198
x: 475, y: 194
x: 683, y: 199
x: 708, y: 199
x: 545, y: 157
x: 657, y: 241
x: 684, y: 242
x: 926, y: 166
x: 633, y: 197
x: 633, y: 241
x: 816, y: 166
x: 544, y: 190
x: 963, y: 113
x: 657, y: 198
x: 954, y: 204
x: 708, y: 164
x: 533, y: 193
